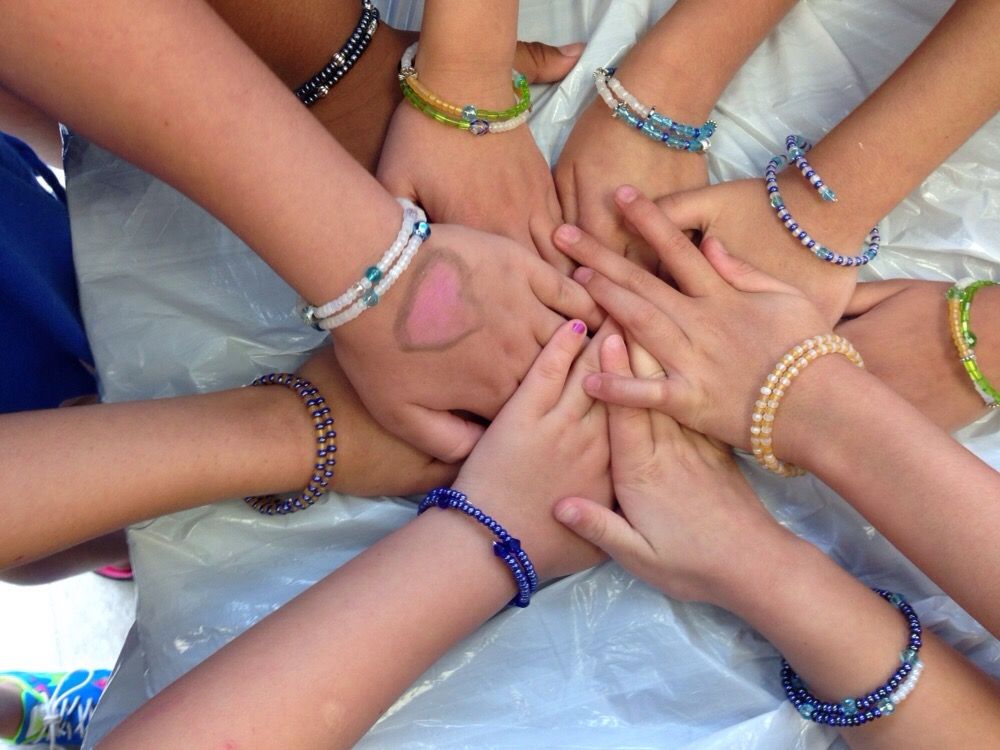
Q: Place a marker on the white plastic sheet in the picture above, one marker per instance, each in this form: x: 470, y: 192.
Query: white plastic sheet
x: 175, y: 304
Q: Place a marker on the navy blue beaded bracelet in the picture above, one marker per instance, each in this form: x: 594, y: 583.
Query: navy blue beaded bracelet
x: 343, y: 59
x: 506, y: 547
x: 882, y: 701
x: 274, y: 505
x: 796, y: 147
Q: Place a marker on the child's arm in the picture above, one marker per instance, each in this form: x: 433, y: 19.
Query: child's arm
x: 88, y: 470
x: 680, y: 66
x: 936, y: 100
x: 720, y: 336
x: 332, y: 660
x: 693, y: 528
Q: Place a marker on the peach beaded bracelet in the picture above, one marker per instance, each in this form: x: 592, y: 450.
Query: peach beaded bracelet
x: 788, y: 367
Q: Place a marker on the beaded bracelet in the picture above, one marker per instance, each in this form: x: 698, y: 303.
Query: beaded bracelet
x: 469, y: 117
x: 272, y: 505
x: 628, y: 109
x: 959, y: 305
x: 506, y: 547
x: 777, y: 382
x: 376, y: 280
x: 797, y: 147
x: 882, y: 701
x: 343, y: 59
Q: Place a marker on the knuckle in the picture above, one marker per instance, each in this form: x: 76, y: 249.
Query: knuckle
x: 640, y: 317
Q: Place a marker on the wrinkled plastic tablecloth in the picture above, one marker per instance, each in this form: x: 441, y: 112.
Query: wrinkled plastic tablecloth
x: 175, y: 304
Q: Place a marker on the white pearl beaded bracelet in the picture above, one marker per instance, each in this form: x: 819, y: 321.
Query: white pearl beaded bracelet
x: 377, y: 279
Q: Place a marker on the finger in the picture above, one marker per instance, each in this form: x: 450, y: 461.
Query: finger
x: 644, y: 365
x: 662, y: 394
x: 574, y: 399
x: 653, y: 328
x: 601, y: 527
x: 740, y: 274
x: 629, y: 429
x: 587, y: 251
x: 541, y: 227
x: 869, y: 294
x: 689, y: 210
x: 562, y: 294
x: 542, y: 63
x: 543, y: 385
x: 693, y: 274
x: 440, y: 434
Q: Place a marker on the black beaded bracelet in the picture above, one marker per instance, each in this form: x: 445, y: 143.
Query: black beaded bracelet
x: 343, y: 59
x: 275, y: 505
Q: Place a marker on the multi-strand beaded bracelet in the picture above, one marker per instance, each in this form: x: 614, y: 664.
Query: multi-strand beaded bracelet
x: 796, y: 148
x: 959, y: 306
x: 469, y: 117
x: 343, y: 59
x: 627, y: 108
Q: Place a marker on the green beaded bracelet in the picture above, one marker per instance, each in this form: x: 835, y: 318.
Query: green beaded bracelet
x: 959, y: 304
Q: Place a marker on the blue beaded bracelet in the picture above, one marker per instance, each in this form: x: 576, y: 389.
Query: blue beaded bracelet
x: 624, y: 106
x: 506, y: 547
x: 274, y: 505
x: 882, y: 701
x: 796, y: 148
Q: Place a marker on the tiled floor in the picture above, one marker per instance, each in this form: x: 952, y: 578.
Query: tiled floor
x: 77, y: 622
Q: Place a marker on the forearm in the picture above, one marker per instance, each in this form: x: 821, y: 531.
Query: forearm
x: 945, y: 91
x: 89, y: 470
x: 359, y: 638
x: 929, y: 496
x: 843, y: 641
x: 467, y: 50
x: 668, y: 67
x: 169, y: 86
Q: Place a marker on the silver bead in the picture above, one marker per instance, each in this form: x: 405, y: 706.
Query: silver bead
x: 372, y: 27
x: 339, y: 59
x: 322, y: 91
x: 405, y: 73
x: 705, y: 145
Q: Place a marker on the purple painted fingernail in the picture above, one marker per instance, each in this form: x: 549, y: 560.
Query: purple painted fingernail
x: 579, y: 327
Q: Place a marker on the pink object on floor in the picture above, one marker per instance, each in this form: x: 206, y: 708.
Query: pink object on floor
x: 116, y: 572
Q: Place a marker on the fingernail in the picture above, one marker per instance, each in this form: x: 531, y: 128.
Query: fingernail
x: 626, y: 194
x: 579, y: 327
x: 568, y: 514
x: 583, y: 274
x: 592, y: 383
x: 568, y: 233
x: 571, y: 50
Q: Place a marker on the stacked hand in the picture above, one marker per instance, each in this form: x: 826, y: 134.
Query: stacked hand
x: 550, y: 440
x: 715, y: 336
x: 497, y: 183
x: 456, y: 334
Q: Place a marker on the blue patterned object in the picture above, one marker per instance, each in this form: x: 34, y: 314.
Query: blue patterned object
x: 275, y: 505
x: 797, y: 147
x: 882, y: 701
x: 506, y: 547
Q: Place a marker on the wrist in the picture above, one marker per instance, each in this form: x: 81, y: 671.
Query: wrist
x: 816, y: 414
x: 486, y: 86
x: 984, y: 314
x: 276, y: 420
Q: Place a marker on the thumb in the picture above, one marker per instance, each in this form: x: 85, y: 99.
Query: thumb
x: 543, y: 63
x: 689, y: 209
x: 600, y: 526
x: 441, y: 434
x: 740, y: 274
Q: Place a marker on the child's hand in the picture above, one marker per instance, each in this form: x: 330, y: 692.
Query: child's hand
x: 456, y: 334
x: 717, y: 338
x: 371, y: 461
x: 739, y: 214
x: 687, y: 514
x: 549, y: 441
